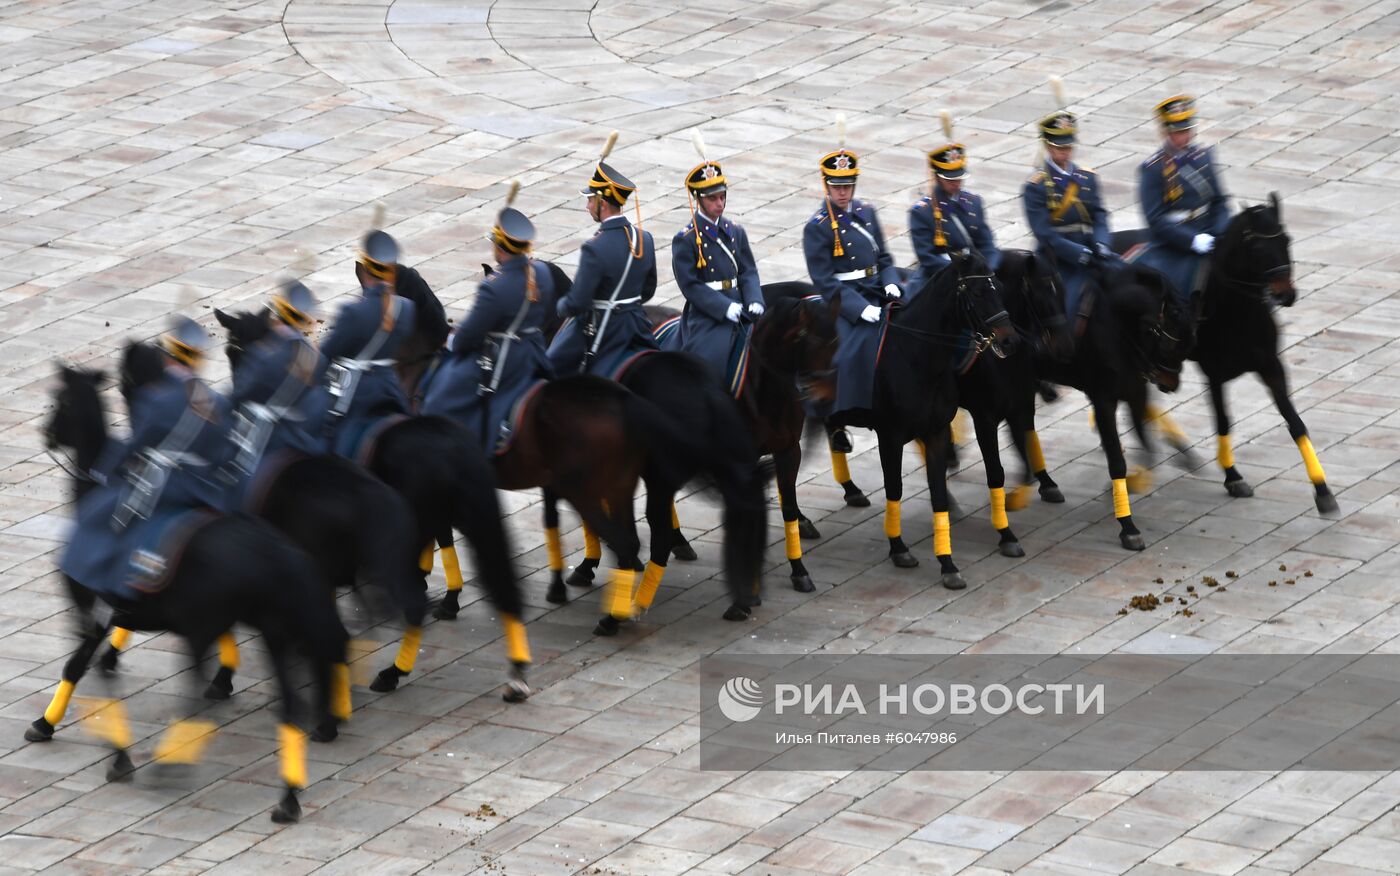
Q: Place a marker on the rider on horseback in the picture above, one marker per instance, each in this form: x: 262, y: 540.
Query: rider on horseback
x: 948, y: 218
x: 179, y: 436
x: 1183, y: 200
x: 716, y: 272
x: 847, y: 259
x: 497, y: 352
x: 362, y: 348
x: 616, y: 275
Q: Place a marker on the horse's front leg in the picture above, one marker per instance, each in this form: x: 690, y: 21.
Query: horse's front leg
x: 936, y: 448
x: 891, y: 465
x: 1277, y: 383
x: 1106, y: 420
x: 787, y: 462
x: 984, y: 424
x: 1235, y: 484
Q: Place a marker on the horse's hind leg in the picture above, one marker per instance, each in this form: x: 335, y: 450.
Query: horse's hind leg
x: 659, y: 510
x: 620, y: 529
x: 1027, y: 443
x: 120, y: 638
x: 450, y: 605
x: 42, y: 729
x: 1140, y: 476
x: 291, y: 740
x: 1235, y: 484
x: 842, y: 472
x: 680, y: 545
x: 1106, y: 421
x: 1277, y: 383
x: 582, y: 575
x: 936, y: 447
x: 221, y: 687
x: 891, y: 465
x: 554, y: 549
x: 985, y: 427
x: 1176, y: 437
x: 787, y: 463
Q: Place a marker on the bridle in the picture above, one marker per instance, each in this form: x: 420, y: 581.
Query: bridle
x: 981, y: 342
x: 805, y: 378
x: 1043, y: 327
x: 1260, y: 287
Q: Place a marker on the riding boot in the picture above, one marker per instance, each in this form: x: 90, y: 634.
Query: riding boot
x: 838, y: 438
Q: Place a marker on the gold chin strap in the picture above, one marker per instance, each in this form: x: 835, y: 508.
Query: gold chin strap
x: 836, y: 249
x: 940, y: 240
x: 695, y: 219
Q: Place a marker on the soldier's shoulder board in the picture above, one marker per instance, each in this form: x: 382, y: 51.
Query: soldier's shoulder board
x: 1037, y: 177
x: 819, y: 216
x: 1154, y: 158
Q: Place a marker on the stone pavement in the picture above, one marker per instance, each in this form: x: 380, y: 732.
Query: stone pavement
x: 162, y: 156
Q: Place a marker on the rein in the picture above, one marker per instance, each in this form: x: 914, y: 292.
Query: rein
x: 65, y: 461
x: 981, y: 342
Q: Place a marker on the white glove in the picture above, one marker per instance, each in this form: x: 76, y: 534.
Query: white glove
x: 755, y: 310
x: 892, y: 291
x: 1202, y: 244
x: 871, y: 313
x: 732, y: 314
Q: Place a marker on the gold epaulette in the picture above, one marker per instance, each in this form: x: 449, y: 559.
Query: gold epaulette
x: 1037, y: 177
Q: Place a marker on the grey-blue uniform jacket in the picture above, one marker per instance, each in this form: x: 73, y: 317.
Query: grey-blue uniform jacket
x: 964, y: 227
x: 859, y: 277
x: 730, y: 275
x: 179, y: 438
x: 279, y: 402
x: 1199, y: 206
x: 503, y: 328
x: 605, y: 267
x: 361, y: 349
x: 1067, y: 217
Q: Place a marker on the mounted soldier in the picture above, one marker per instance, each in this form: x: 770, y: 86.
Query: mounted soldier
x: 1064, y: 208
x: 848, y: 261
x: 949, y: 218
x: 497, y: 353
x: 278, y: 398
x: 715, y: 270
x: 616, y: 275
x: 363, y: 347
x: 1183, y: 199
x: 128, y: 526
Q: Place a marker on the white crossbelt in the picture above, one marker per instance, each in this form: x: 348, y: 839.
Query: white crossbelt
x: 513, y: 336
x: 1185, y: 215
x: 362, y: 364
x: 609, y: 304
x: 1073, y: 228
x: 856, y: 275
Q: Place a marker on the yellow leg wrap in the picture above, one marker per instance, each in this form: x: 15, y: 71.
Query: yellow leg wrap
x: 959, y: 427
x: 1139, y: 480
x: 1093, y: 420
x: 1166, y: 424
x: 893, y: 524
x: 58, y: 706
x: 942, y: 535
x: 106, y: 719
x: 517, y: 646
x: 228, y: 651
x: 592, y: 548
x: 999, y: 520
x: 1020, y: 498
x: 1224, y: 453
x: 408, y: 649
x: 451, y: 568
x: 618, y: 596
x: 425, y: 559
x: 1121, y: 508
x: 184, y: 742
x: 1033, y: 452
x: 292, y: 744
x: 340, y: 691
x: 792, y: 540
x: 1315, y: 472
x: 554, y: 549
x: 839, y: 469
x: 651, y: 579
x: 120, y: 637
x: 675, y: 518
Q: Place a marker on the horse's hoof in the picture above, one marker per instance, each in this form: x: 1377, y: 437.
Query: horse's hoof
x: 1239, y: 489
x: 803, y: 584
x: 581, y: 576
x: 1052, y: 495
x: 737, y: 612
x: 221, y: 688
x: 121, y: 768
x: 517, y: 691
x: 449, y: 607
x: 854, y: 497
x: 387, y: 679
x: 684, y: 552
x: 806, y: 528
x: 954, y: 581
x: 556, y: 594
x: 326, y: 731
x: 40, y: 731
x: 288, y: 809
x: 1132, y: 541
x: 607, y: 626
x: 904, y: 560
x: 107, y: 663
x: 1326, y: 503
x: 1011, y: 549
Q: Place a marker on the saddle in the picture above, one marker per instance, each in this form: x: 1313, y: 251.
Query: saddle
x: 510, y: 426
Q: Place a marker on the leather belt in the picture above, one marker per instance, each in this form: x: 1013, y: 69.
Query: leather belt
x: 1185, y: 215
x: 722, y: 285
x: 856, y: 275
x: 605, y: 304
x: 1073, y: 228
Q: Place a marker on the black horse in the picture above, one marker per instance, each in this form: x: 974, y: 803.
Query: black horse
x: 234, y: 569
x: 1249, y: 272
x: 439, y: 470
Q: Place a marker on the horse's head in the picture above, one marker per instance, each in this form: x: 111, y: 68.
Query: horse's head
x: 1256, y: 251
x: 979, y: 297
x: 1170, y: 342
x: 244, y: 329
x: 797, y: 336
x: 78, y: 422
x: 142, y: 364
x: 1032, y: 292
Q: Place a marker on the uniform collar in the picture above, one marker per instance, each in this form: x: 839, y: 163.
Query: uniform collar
x: 618, y: 221
x: 701, y: 217
x: 1068, y: 170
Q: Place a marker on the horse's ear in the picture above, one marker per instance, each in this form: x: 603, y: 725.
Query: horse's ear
x: 95, y: 376
x: 225, y: 320
x: 1277, y: 205
x: 487, y: 269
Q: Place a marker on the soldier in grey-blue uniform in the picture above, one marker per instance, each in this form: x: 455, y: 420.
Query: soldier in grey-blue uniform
x: 949, y: 218
x: 278, y: 397
x: 362, y: 348
x: 847, y: 258
x: 1065, y: 210
x: 715, y: 270
x: 616, y: 275
x: 1183, y: 200
x: 497, y: 353
x: 165, y: 469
